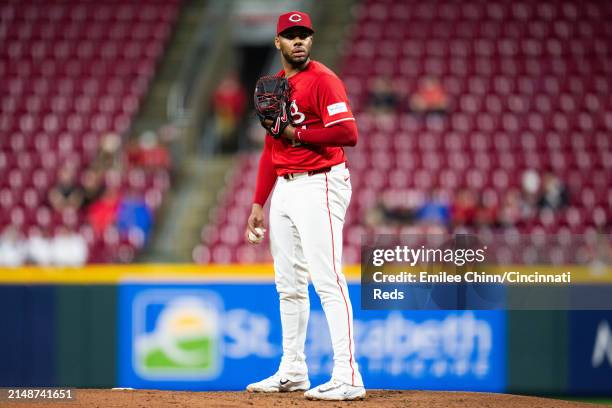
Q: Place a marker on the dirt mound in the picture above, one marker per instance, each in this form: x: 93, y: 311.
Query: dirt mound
x: 375, y: 398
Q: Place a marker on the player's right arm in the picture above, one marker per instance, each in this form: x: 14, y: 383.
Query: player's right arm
x: 266, y: 177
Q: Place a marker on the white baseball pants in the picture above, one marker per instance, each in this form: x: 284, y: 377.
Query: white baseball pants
x: 306, y: 219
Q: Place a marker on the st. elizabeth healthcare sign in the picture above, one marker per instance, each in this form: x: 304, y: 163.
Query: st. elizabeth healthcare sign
x: 222, y: 336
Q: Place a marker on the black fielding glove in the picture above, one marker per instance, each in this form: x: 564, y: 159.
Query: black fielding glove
x: 271, y: 99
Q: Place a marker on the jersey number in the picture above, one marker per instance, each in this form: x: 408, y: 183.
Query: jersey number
x: 297, y: 117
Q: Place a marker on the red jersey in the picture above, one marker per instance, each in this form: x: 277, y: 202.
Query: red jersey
x: 318, y: 100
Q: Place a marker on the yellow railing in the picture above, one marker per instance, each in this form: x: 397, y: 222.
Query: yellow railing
x: 112, y: 274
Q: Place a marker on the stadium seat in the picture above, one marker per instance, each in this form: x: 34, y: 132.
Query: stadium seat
x: 69, y: 72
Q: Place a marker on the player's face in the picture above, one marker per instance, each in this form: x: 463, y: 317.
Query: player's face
x: 294, y: 44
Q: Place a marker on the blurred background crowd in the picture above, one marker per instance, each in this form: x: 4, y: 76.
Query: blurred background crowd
x: 127, y: 131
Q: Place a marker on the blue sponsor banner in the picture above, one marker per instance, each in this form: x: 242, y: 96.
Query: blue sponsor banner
x: 590, y: 352
x: 222, y: 336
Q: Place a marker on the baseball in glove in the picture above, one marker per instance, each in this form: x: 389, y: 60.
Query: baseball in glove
x: 271, y: 98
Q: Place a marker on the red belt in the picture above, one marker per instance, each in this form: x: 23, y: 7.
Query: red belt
x: 291, y: 176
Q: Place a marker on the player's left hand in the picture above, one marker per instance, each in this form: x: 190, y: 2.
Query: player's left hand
x: 277, y: 125
x: 272, y: 104
x: 288, y: 133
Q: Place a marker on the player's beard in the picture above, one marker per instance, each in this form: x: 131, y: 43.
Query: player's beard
x: 296, y: 62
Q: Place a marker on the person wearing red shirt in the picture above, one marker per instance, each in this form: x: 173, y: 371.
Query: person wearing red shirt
x: 229, y: 102
x: 307, y: 169
x: 430, y: 97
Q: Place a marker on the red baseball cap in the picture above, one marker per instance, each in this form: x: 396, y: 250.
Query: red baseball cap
x: 293, y: 19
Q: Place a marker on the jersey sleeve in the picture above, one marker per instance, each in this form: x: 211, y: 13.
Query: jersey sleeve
x: 266, y: 175
x: 332, y: 101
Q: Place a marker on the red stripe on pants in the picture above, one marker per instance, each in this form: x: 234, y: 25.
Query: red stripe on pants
x: 348, y: 317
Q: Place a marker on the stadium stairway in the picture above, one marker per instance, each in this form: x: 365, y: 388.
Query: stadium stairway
x: 198, y: 178
x: 332, y: 21
x: 153, y: 113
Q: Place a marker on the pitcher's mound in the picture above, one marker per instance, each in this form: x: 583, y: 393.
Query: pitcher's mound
x: 376, y: 398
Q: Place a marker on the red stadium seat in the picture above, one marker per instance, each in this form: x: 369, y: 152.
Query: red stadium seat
x: 528, y: 89
x: 68, y: 73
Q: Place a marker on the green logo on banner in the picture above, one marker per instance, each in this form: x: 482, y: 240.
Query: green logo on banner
x: 177, y: 334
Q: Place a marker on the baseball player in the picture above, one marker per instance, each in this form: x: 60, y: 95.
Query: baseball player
x: 304, y: 161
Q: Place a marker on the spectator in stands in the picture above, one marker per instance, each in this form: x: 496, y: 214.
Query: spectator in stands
x: 134, y: 218
x: 385, y: 214
x: 92, y: 187
x: 464, y: 208
x: 383, y: 97
x: 12, y: 248
x: 66, y: 194
x: 229, y: 103
x: 554, y: 193
x: 108, y: 154
x: 511, y: 211
x: 430, y: 97
x: 39, y: 247
x: 395, y: 208
x: 434, y: 211
x: 103, y: 213
x: 68, y: 248
x: 487, y: 211
x: 531, y: 185
x: 149, y: 153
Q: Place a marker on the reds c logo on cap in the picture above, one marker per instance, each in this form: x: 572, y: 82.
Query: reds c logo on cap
x: 293, y: 19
